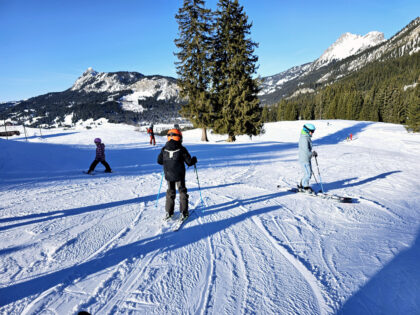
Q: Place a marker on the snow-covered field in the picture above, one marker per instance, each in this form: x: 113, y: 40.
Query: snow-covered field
x: 72, y: 242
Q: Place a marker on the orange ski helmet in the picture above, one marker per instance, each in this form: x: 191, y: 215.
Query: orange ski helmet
x: 174, y: 134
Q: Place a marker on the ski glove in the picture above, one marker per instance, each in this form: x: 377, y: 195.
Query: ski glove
x: 314, y: 154
x: 193, y: 160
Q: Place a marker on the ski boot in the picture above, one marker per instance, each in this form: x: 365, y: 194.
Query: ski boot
x: 309, y: 190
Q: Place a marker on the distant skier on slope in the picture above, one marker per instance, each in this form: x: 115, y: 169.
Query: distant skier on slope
x: 173, y: 156
x: 305, y: 155
x: 151, y: 134
x: 100, y: 157
x: 177, y: 127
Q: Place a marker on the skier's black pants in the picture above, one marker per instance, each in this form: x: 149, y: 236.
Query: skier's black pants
x: 104, y: 163
x: 183, y: 197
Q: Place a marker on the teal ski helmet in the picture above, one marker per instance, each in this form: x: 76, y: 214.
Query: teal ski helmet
x: 309, y: 128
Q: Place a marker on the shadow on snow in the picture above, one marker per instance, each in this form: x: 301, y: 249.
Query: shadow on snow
x: 342, y: 134
x: 52, y: 215
x: 351, y: 182
x: 395, y: 289
x: 165, y: 242
x: 61, y: 134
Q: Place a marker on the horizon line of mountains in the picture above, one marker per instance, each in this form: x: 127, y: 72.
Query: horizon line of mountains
x: 127, y: 97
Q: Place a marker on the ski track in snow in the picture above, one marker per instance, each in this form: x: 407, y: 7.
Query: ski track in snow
x: 306, y: 274
x: 249, y: 173
x: 39, y: 302
x: 101, y: 245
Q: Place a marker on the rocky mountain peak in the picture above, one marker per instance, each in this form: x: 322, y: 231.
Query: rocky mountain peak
x: 347, y: 45
x: 90, y: 72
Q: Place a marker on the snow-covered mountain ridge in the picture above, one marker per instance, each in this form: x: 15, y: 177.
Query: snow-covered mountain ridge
x: 117, y: 96
x: 348, y: 54
x: 141, y: 87
x: 405, y: 42
x: 92, y: 81
x: 347, y: 45
x: 272, y: 83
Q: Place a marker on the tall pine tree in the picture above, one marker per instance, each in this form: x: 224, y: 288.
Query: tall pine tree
x: 234, y: 88
x: 193, y: 66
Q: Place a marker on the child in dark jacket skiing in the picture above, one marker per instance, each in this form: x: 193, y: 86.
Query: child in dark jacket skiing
x: 100, y: 157
x: 173, y: 156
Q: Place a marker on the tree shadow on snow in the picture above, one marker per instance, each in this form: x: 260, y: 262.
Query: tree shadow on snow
x: 228, y: 205
x: 52, y: 215
x: 351, y: 182
x: 341, y: 135
x: 12, y: 249
x: 47, y: 136
x: 161, y: 243
x: 395, y: 289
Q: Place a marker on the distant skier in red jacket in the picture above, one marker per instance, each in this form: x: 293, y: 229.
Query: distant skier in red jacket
x: 100, y: 157
x: 151, y: 134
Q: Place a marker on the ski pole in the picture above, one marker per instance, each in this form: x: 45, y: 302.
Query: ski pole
x: 319, y: 174
x: 313, y: 174
x: 198, y: 182
x: 160, y: 186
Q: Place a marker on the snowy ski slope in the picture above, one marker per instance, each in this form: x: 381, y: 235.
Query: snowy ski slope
x: 72, y: 242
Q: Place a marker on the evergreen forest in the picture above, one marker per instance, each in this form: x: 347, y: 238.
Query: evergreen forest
x: 383, y: 91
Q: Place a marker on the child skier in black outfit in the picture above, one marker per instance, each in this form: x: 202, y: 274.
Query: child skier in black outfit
x: 100, y: 157
x: 173, y: 156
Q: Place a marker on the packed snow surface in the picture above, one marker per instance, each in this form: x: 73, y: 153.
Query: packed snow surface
x: 72, y: 242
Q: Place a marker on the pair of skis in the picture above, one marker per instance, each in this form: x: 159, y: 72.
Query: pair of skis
x: 322, y: 195
x: 96, y: 172
x: 179, y: 222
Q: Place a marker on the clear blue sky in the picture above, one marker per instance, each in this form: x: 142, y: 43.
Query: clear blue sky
x: 45, y: 45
